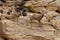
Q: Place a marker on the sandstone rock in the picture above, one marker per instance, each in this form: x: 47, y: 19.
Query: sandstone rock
x: 52, y: 6
x: 18, y: 27
x: 57, y: 33
x: 1, y: 39
x: 57, y: 3
x: 1, y: 28
x: 1, y: 3
x: 10, y: 31
x: 57, y: 38
x: 40, y: 9
x: 50, y: 14
x: 7, y: 30
x: 11, y: 3
x: 50, y: 37
x: 13, y: 31
x: 28, y: 3
x: 47, y: 27
x: 56, y: 22
x: 44, y: 20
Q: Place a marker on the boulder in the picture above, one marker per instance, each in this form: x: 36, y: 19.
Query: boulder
x: 56, y: 22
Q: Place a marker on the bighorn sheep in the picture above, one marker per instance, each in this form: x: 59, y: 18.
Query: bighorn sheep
x: 37, y: 17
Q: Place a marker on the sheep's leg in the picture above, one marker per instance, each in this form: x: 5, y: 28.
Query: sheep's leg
x: 39, y: 23
x: 17, y: 20
x: 31, y: 19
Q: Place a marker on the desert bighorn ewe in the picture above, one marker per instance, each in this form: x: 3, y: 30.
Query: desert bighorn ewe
x: 34, y: 16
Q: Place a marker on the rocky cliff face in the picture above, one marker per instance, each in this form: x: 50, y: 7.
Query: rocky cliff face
x: 29, y: 20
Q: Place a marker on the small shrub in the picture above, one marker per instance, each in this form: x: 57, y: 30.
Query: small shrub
x: 30, y: 8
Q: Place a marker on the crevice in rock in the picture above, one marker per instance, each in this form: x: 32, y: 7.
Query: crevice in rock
x: 57, y: 11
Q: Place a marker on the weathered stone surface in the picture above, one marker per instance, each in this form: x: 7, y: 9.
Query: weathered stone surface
x: 1, y: 38
x: 15, y: 25
x: 57, y: 38
x: 50, y: 15
x: 57, y: 33
x: 12, y: 30
x: 56, y: 22
x: 52, y: 7
x: 57, y: 3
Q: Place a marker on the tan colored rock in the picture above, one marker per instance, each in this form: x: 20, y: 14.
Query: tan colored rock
x: 1, y: 39
x: 28, y: 3
x: 57, y: 38
x: 18, y: 27
x: 52, y: 6
x: 12, y: 30
x: 50, y: 14
x: 11, y: 3
x: 56, y: 22
x: 48, y: 17
x: 58, y: 3
x: 40, y: 9
x: 57, y: 33
x: 38, y: 38
x: 44, y: 20
x: 47, y: 27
